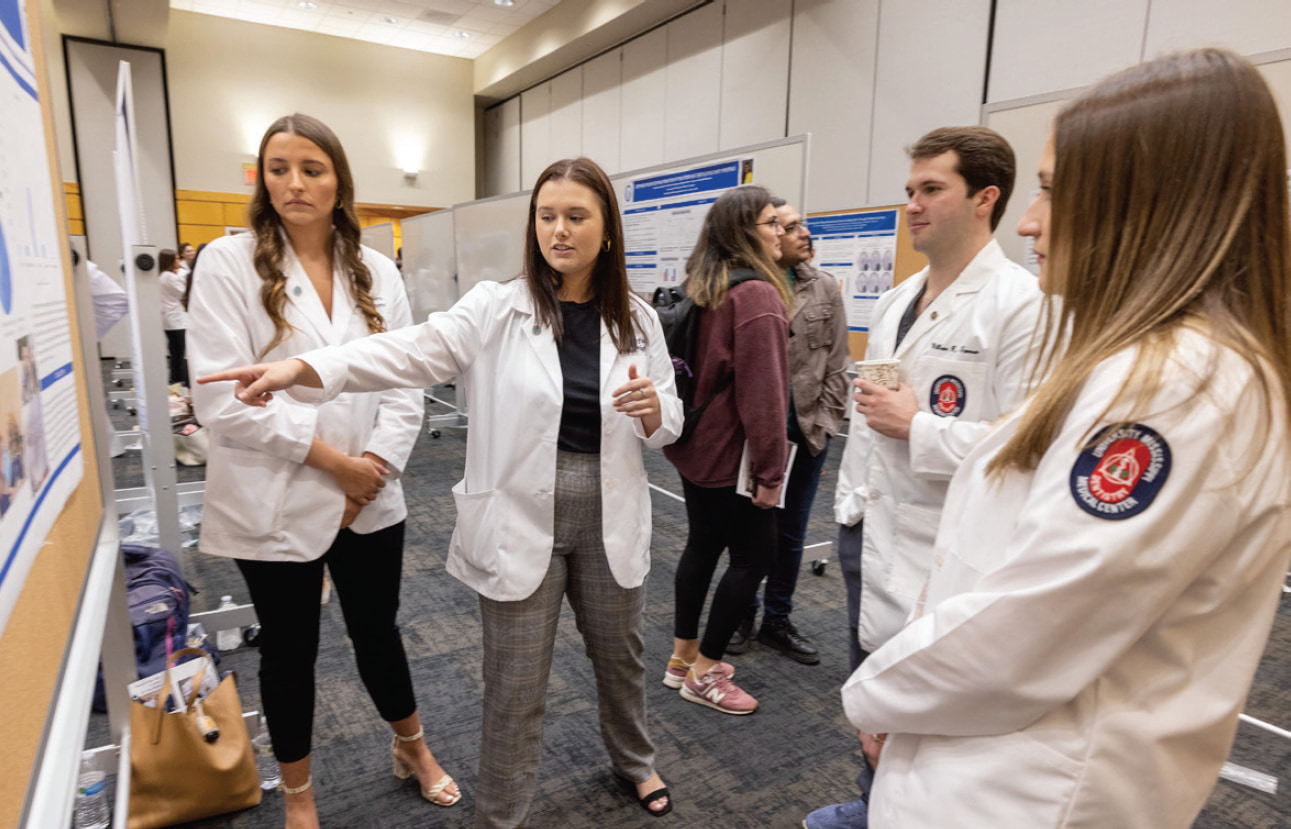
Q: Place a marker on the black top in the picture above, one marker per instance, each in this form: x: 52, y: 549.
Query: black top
x: 908, y: 318
x: 580, y: 364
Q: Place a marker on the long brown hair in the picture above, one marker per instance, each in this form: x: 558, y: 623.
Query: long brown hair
x: 729, y: 240
x: 267, y: 227
x: 1169, y: 211
x: 610, y: 290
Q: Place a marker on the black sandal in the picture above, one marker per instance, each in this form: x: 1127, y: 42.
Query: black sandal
x: 657, y: 794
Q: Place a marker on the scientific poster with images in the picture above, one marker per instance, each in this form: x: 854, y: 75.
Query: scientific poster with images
x: 40, y: 438
x: 663, y: 214
x: 860, y: 250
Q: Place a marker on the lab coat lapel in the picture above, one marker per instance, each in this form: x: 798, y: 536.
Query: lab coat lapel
x: 301, y: 294
x: 969, y: 282
x: 609, y: 353
x: 343, y: 310
x: 538, y: 337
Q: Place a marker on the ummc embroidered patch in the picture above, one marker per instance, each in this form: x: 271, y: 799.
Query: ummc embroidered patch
x: 948, y: 396
x: 1120, y: 475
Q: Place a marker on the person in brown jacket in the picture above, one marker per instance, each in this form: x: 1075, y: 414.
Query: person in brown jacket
x: 741, y: 350
x: 818, y: 392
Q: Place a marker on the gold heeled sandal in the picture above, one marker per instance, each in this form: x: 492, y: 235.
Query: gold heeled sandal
x: 403, y: 771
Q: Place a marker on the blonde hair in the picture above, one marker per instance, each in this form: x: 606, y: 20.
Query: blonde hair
x: 267, y: 227
x: 1169, y: 211
x: 729, y: 240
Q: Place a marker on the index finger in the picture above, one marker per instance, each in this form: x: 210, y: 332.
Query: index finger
x: 222, y: 376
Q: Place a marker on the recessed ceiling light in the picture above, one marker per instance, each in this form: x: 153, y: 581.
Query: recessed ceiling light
x: 504, y: 3
x: 306, y: 4
x: 463, y: 35
x: 389, y: 19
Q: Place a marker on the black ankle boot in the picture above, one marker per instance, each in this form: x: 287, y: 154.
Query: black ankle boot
x: 740, y: 641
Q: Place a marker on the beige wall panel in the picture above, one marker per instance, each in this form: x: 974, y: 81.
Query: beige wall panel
x: 602, y: 98
x: 1044, y: 46
x: 831, y: 96
x: 755, y: 72
x: 645, y: 62
x: 931, y: 67
x: 694, y: 84
x: 567, y: 114
x: 502, y: 149
x: 535, y: 132
x: 1246, y: 26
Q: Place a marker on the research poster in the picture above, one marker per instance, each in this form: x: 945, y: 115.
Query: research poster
x: 40, y: 438
x: 860, y: 250
x: 663, y: 214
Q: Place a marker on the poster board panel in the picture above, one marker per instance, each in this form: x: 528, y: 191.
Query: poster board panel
x: 34, y: 639
x: 907, y: 263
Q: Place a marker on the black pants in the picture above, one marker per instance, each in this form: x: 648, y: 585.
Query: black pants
x: 365, y: 572
x: 719, y: 518
x: 178, y: 364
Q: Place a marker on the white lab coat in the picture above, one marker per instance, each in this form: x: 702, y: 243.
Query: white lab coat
x: 262, y: 502
x: 171, y: 287
x: 978, y: 332
x: 501, y: 546
x: 1078, y: 671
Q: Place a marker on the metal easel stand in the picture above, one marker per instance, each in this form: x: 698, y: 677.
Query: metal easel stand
x: 457, y: 418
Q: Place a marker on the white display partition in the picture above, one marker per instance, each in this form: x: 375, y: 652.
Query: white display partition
x: 489, y: 239
x: 430, y: 263
x: 430, y: 277
x: 380, y: 238
x: 489, y: 233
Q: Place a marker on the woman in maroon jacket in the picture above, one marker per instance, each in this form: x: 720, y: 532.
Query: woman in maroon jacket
x: 742, y: 357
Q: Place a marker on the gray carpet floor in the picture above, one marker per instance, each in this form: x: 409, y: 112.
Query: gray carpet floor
x: 766, y: 770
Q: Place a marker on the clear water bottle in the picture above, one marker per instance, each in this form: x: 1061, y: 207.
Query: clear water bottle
x: 91, y: 797
x: 229, y: 638
x: 266, y: 763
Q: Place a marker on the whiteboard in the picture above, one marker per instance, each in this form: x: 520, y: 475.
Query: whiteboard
x: 429, y: 263
x: 379, y: 237
x: 489, y: 233
x: 489, y: 238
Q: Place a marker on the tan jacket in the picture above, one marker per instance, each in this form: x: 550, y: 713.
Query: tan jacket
x: 818, y: 356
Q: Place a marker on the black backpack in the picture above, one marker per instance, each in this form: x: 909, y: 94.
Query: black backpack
x: 679, y: 316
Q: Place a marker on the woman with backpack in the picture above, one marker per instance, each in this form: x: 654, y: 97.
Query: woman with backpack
x: 742, y: 371
x: 567, y: 377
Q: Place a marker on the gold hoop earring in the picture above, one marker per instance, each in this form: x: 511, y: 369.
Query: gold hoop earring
x: 608, y: 244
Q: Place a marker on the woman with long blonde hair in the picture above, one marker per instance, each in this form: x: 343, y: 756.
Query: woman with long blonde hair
x: 294, y: 488
x: 1111, y: 556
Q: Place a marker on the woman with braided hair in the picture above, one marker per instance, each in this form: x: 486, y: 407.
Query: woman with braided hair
x: 293, y: 488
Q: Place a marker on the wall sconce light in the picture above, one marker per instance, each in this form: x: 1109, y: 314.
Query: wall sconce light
x: 410, y: 176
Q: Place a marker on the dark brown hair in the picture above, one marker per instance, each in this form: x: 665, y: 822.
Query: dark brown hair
x: 166, y: 259
x: 1169, y: 213
x: 985, y: 159
x: 729, y: 240
x: 610, y: 290
x: 267, y: 227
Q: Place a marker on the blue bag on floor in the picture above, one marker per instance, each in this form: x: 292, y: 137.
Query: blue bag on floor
x: 158, y: 596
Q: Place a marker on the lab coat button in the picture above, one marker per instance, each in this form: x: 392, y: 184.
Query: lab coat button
x: 875, y: 494
x: 934, y: 314
x: 609, y: 484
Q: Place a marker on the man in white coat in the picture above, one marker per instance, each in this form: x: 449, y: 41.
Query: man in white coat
x: 961, y: 329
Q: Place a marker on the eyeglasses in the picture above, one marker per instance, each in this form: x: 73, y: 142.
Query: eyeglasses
x: 773, y: 224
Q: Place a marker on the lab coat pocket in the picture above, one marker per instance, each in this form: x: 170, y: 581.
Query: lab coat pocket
x: 916, y: 531
x: 953, y: 388
x: 245, y: 491
x: 1004, y: 780
x: 478, y: 532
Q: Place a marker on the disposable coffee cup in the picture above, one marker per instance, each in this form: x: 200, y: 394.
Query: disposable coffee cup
x: 883, y: 373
